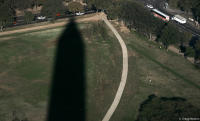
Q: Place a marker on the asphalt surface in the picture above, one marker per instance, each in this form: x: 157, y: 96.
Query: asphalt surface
x: 160, y: 5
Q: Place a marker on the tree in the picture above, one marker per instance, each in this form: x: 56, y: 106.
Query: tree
x: 1, y: 1
x: 170, y: 35
x: 136, y: 16
x: 197, y: 49
x: 196, y: 12
x: 100, y: 4
x: 173, y: 3
x: 190, y: 52
x: 52, y: 7
x: 22, y: 4
x: 166, y: 109
x: 6, y: 15
x: 185, y: 5
x: 185, y: 38
x: 113, y: 12
x: 38, y: 2
x: 68, y: 0
x: 28, y: 17
x: 75, y: 7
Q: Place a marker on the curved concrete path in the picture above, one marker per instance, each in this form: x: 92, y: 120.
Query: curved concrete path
x: 121, y: 87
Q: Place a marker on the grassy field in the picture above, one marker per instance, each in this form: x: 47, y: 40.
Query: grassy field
x: 171, y: 76
x: 26, y: 66
x: 26, y: 61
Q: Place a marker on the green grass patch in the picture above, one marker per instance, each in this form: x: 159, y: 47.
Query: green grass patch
x: 27, y: 64
x: 171, y: 76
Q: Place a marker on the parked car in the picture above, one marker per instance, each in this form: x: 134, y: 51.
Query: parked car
x: 149, y: 6
x: 79, y: 14
x: 41, y: 17
x: 58, y: 14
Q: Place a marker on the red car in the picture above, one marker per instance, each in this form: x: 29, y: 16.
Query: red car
x: 14, y: 23
x: 58, y: 14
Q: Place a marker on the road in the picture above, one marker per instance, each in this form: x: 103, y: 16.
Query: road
x: 159, y: 4
x: 20, y: 19
x: 51, y: 25
x: 121, y: 87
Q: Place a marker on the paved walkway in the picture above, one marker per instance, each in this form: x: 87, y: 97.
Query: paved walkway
x: 121, y: 87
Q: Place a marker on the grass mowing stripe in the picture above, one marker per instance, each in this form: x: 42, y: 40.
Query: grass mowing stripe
x: 164, y: 67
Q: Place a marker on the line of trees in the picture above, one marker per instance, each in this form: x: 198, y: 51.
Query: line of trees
x: 136, y: 17
x: 167, y: 109
x: 171, y: 35
x: 99, y: 4
x: 75, y: 7
x: 132, y: 13
x: 51, y: 8
x: 193, y: 50
x: 187, y: 6
x: 22, y: 4
x: 28, y: 17
x: 6, y: 13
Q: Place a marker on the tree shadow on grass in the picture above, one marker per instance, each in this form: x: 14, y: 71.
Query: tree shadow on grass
x: 167, y: 109
x: 67, y: 96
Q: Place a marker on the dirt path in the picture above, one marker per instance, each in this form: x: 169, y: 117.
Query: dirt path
x: 175, y: 50
x: 121, y: 87
x: 52, y: 25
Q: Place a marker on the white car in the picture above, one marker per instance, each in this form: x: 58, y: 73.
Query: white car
x: 79, y: 13
x: 149, y: 6
x: 41, y: 17
x: 191, y: 19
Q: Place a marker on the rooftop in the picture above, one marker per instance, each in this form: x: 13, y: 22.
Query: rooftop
x: 180, y: 17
